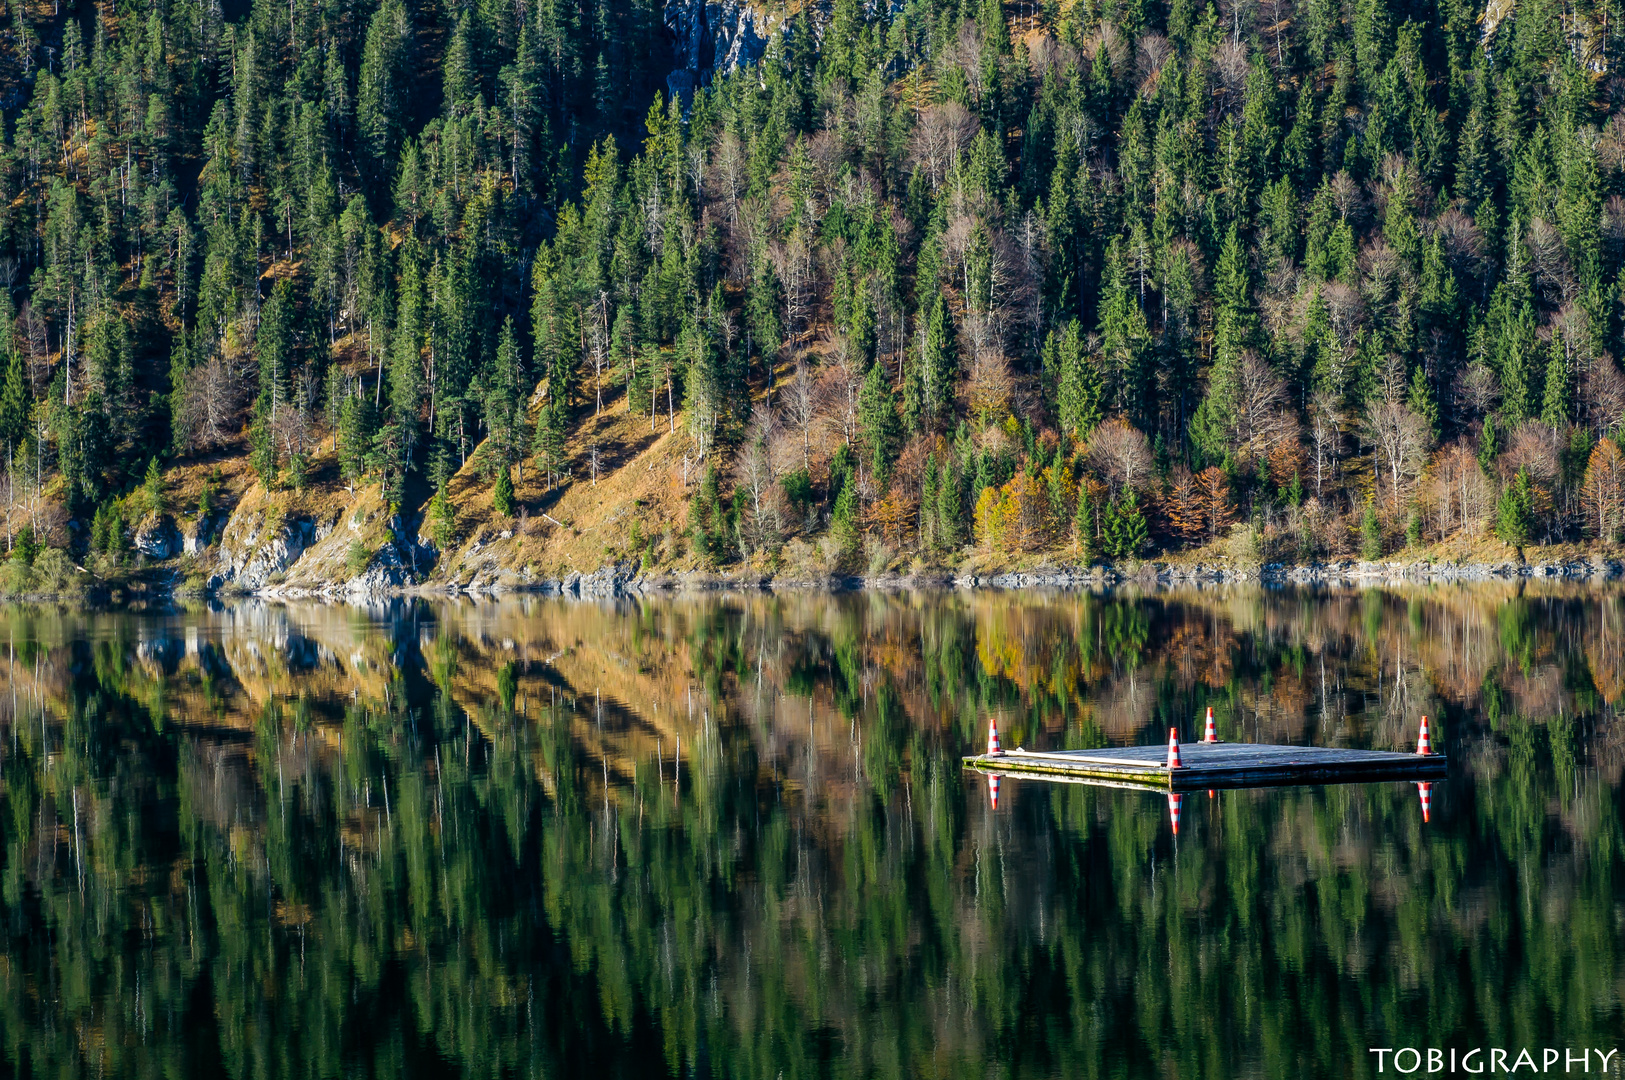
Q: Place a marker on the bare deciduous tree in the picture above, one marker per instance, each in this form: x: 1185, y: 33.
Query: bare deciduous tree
x: 730, y: 164
x: 840, y: 383
x: 1611, y: 145
x: 292, y: 429
x: 597, y: 333
x: 1345, y: 314
x: 944, y: 132
x: 1549, y: 260
x: 1387, y: 280
x: 793, y: 263
x: 212, y: 403
x: 1231, y: 67
x: 755, y: 474
x: 1602, y: 396
x: 1462, y: 494
x: 1477, y: 391
x: 1151, y: 52
x: 804, y: 402
x: 1119, y: 453
x: 1391, y: 380
x: 9, y: 502
x: 1047, y: 54
x: 1277, y: 21
x: 1399, y: 438
x: 1326, y: 422
x: 1347, y: 197
x: 1536, y: 447
x: 1263, y: 416
x: 1463, y: 243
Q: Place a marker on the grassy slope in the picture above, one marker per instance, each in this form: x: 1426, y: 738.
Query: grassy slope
x: 582, y: 525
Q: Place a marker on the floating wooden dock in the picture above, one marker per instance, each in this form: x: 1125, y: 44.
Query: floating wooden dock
x: 1214, y: 765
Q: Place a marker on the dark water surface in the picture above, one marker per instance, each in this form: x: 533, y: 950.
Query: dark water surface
x: 732, y: 836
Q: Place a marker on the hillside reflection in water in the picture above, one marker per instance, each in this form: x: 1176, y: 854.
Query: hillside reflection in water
x: 731, y: 836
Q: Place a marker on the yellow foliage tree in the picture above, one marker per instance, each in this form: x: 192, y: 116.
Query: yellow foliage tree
x: 988, y: 517
x: 1604, y: 492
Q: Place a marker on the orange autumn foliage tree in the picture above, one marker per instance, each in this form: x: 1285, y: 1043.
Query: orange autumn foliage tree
x: 1286, y: 461
x: 1213, y: 488
x: 895, y: 515
x: 1182, y: 508
x: 1603, y: 495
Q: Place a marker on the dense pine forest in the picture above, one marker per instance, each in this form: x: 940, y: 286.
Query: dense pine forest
x: 1104, y: 279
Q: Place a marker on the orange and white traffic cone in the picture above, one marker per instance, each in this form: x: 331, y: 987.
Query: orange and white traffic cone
x: 1210, y: 793
x: 993, y: 737
x: 1211, y: 733
x: 1424, y: 745
x: 1426, y: 791
x: 1173, y: 748
x: 993, y: 791
x: 1175, y: 802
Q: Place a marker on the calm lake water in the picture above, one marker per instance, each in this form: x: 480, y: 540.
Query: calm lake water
x: 732, y: 836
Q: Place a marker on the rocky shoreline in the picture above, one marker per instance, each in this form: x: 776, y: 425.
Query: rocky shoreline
x: 622, y: 580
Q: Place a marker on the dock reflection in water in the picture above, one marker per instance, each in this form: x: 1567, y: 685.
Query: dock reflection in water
x: 733, y: 836
x: 1175, y: 797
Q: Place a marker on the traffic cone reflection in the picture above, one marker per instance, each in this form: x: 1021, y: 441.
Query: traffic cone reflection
x: 993, y: 791
x: 1426, y: 792
x: 1211, y: 733
x: 1173, y: 748
x: 1175, y: 802
x: 1424, y: 745
x: 993, y: 737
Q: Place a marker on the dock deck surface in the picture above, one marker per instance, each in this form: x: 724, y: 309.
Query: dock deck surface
x: 1217, y: 765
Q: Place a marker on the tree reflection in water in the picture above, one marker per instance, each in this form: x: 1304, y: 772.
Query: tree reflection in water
x: 731, y: 835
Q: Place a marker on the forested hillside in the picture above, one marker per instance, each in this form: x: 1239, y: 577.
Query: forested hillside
x: 1101, y: 279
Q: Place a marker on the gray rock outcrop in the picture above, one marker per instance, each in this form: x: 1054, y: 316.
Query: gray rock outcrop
x: 715, y: 36
x: 253, y: 551
x: 196, y: 539
x: 158, y: 538
x: 383, y: 573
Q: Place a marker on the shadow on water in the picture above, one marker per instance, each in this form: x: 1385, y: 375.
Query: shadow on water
x: 731, y: 836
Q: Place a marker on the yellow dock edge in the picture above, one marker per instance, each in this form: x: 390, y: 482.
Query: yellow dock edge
x: 1154, y: 777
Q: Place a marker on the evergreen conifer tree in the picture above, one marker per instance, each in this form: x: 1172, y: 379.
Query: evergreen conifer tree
x: 1554, y: 408
x: 1370, y: 533
x: 1083, y: 527
x: 948, y: 532
x: 877, y: 413
x: 502, y: 495
x: 1513, y: 512
x: 843, y: 526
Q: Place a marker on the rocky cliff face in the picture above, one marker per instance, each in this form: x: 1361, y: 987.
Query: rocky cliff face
x: 257, y: 547
x: 286, y: 545
x: 716, y: 35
